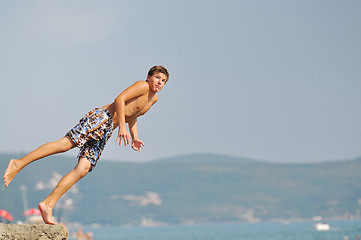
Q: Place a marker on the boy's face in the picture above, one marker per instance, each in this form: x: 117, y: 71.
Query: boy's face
x: 157, y: 81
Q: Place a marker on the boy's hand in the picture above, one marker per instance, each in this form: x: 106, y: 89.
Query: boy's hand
x: 137, y: 145
x: 123, y: 134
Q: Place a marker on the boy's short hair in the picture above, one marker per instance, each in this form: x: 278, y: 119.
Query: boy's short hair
x: 160, y: 69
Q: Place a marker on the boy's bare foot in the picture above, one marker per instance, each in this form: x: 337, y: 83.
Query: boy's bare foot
x: 46, y: 213
x: 11, y: 172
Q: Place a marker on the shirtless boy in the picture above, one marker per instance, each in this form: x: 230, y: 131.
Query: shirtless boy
x: 93, y: 132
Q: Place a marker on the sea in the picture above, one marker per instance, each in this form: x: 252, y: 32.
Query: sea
x: 300, y: 230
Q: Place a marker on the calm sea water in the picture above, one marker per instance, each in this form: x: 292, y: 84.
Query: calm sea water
x: 340, y: 230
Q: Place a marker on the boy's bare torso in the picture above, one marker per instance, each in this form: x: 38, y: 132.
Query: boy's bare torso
x: 134, y: 107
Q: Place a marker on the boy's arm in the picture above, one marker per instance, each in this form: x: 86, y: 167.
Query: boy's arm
x: 136, y: 143
x: 131, y: 92
x: 133, y: 128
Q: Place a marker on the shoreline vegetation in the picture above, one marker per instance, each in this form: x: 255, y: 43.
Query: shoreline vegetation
x: 191, y: 189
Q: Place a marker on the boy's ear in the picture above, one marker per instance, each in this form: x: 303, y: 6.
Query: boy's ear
x: 147, y: 78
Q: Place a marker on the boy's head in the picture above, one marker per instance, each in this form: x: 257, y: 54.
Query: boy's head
x: 160, y: 69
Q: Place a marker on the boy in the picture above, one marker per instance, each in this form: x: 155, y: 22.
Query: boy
x: 92, y: 133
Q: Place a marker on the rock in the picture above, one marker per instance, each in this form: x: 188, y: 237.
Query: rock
x: 33, y: 232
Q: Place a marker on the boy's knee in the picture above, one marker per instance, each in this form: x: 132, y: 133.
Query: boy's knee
x: 83, y: 167
x: 84, y: 172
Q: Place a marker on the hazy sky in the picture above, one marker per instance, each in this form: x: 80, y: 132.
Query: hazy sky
x: 271, y: 80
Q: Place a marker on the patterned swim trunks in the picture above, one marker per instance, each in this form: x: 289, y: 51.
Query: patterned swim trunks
x: 92, y: 133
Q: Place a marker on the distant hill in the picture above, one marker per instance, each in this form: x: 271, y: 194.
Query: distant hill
x: 191, y: 188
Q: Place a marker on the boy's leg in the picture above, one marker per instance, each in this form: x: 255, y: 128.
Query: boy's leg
x: 15, y: 165
x: 46, y: 206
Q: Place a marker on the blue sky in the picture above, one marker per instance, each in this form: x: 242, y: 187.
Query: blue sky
x: 273, y: 80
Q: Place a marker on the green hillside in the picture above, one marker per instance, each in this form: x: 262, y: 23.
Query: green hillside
x: 192, y: 188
